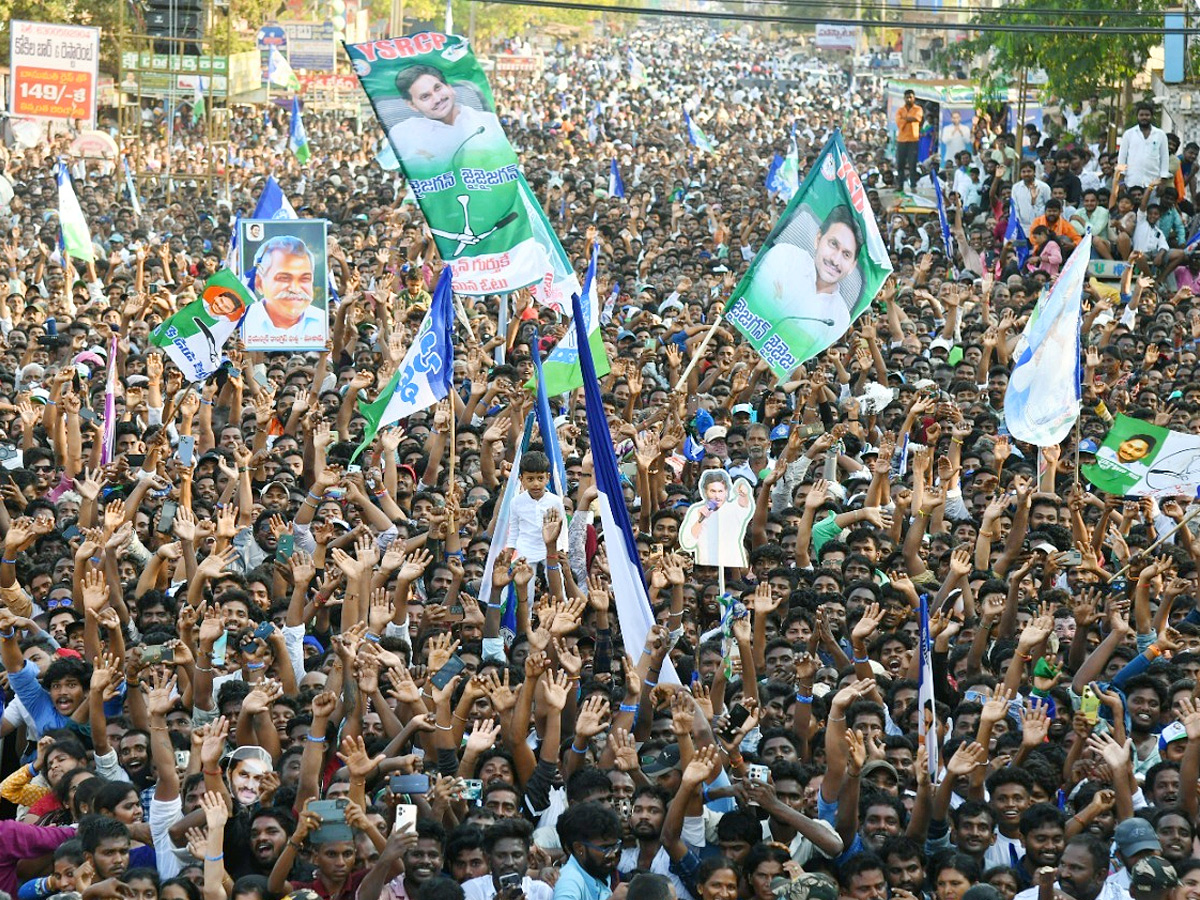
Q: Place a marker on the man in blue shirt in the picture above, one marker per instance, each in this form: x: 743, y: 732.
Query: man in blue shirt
x: 590, y: 833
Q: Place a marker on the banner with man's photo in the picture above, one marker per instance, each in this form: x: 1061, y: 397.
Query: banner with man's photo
x: 1139, y: 459
x: 818, y: 270
x: 284, y: 263
x: 195, y: 336
x: 436, y: 107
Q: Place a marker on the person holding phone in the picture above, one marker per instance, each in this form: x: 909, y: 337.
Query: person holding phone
x: 332, y: 853
x: 506, y: 846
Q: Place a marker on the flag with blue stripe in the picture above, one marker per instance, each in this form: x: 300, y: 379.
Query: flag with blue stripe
x: 625, y: 566
x: 545, y: 423
x: 131, y: 189
x: 616, y: 184
x: 1015, y: 233
x: 927, y: 713
x: 696, y: 137
x: 508, y: 616
x: 936, y: 178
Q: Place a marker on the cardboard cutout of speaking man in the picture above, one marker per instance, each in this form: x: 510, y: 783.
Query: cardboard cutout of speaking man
x: 714, y: 529
x: 286, y: 269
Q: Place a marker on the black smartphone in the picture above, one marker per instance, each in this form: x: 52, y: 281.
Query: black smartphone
x: 409, y: 784
x: 135, y: 460
x: 738, y: 715
x: 166, y: 517
x: 264, y: 631
x: 285, y: 547
x: 443, y: 676
x: 509, y: 880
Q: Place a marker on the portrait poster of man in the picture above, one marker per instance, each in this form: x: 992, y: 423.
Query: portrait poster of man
x: 714, y: 528
x: 435, y: 104
x: 1139, y: 458
x: 818, y: 270
x: 284, y: 264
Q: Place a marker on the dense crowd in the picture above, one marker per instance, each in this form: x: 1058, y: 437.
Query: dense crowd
x: 195, y: 715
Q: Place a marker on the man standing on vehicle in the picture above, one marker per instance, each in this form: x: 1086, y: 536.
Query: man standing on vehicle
x: 908, y: 135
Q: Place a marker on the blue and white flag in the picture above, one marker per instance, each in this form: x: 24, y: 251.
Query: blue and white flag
x: 426, y: 374
x: 73, y: 228
x: 625, y: 566
x: 1041, y: 403
x: 936, y: 178
x: 616, y: 184
x: 545, y: 423
x: 131, y: 189
x: 561, y: 371
x: 696, y: 137
x: 637, y: 72
x: 508, y: 616
x: 927, y: 712
x: 297, y: 136
x: 272, y: 203
x: 1015, y: 233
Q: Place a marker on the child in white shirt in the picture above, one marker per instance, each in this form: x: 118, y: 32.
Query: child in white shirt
x: 530, y: 507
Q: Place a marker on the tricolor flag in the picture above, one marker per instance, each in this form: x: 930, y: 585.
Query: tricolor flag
x: 1015, y: 233
x: 297, y: 139
x: 198, y: 102
x: 279, y: 72
x: 616, y: 184
x: 1041, y: 403
x: 927, y: 712
x: 625, y: 566
x: 561, y: 372
x: 108, y: 442
x: 425, y: 375
x: 194, y: 336
x: 696, y: 137
x: 73, y: 227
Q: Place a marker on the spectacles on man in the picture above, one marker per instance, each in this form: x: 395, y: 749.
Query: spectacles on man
x: 60, y: 603
x: 604, y: 849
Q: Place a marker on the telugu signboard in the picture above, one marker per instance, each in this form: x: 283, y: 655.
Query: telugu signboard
x: 837, y: 37
x: 55, y: 71
x: 310, y: 45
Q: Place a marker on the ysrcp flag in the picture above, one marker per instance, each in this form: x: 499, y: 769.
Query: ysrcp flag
x: 435, y: 105
x: 194, y: 336
x: 1041, y: 403
x: 1140, y: 459
x: 425, y: 374
x: 818, y: 270
x: 562, y: 371
x: 76, y: 239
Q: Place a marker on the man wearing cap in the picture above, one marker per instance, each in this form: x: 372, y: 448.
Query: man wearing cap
x: 1152, y: 878
x: 714, y: 443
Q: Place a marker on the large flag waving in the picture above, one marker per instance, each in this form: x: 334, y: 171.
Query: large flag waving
x: 1041, y: 403
x: 561, y: 370
x: 1139, y: 459
x: 1016, y: 234
x: 76, y: 239
x: 194, y: 336
x: 279, y: 72
x: 696, y: 137
x: 273, y: 203
x: 616, y: 184
x: 108, y: 435
x: 433, y: 100
x: 943, y: 221
x: 818, y: 270
x: 425, y: 375
x: 625, y: 566
x: 927, y: 712
x: 297, y: 136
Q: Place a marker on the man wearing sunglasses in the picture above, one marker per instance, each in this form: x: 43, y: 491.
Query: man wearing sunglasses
x: 591, y: 834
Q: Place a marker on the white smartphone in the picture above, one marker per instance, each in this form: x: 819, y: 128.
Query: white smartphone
x: 758, y: 773
x: 406, y: 817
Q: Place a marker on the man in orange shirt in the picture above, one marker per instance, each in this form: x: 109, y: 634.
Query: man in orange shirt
x: 908, y: 135
x: 1053, y: 220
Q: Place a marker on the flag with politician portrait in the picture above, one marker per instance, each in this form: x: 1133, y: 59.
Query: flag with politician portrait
x: 436, y: 107
x: 283, y: 262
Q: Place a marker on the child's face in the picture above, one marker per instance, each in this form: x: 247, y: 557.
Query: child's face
x: 535, y: 483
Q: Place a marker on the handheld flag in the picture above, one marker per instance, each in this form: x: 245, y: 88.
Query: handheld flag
x: 561, y: 371
x: 198, y: 102
x: 818, y: 270
x: 425, y: 375
x: 297, y: 138
x: 625, y: 566
x: 935, y: 177
x: 1015, y: 233
x: 927, y: 712
x: 637, y: 71
x: 273, y: 203
x: 279, y: 72
x: 108, y: 444
x: 194, y: 336
x: 696, y: 137
x: 545, y: 423
x: 1041, y: 403
x: 131, y: 189
x: 508, y: 617
x: 76, y: 239
x: 616, y: 184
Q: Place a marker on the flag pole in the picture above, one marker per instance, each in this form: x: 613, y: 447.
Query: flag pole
x: 696, y: 356
x: 1143, y: 553
x: 450, y: 483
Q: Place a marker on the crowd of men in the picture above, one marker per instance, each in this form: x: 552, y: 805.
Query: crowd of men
x: 237, y: 677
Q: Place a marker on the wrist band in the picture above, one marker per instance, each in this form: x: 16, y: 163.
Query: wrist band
x: 32, y: 770
x: 575, y: 749
x: 217, y: 858
x: 52, y: 403
x: 315, y: 740
x: 373, y: 638
x: 8, y: 635
x: 495, y: 606
x: 803, y: 698
x: 94, y: 560
x: 254, y: 667
x: 8, y: 562
x: 860, y: 662
x: 206, y: 402
x: 628, y: 707
x: 440, y: 727
x: 550, y: 568
x: 457, y: 716
x: 649, y: 683
x: 200, y: 668
x: 314, y: 495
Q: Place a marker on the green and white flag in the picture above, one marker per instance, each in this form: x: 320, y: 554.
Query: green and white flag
x: 279, y: 72
x: 1140, y: 459
x: 73, y: 227
x: 194, y: 336
x: 198, y: 102
x: 561, y: 370
x: 436, y: 107
x: 818, y: 270
x: 297, y: 136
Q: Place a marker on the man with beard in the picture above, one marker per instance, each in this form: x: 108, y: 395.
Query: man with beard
x: 649, y: 811
x: 422, y: 855
x: 904, y: 865
x: 269, y: 830
x: 106, y: 847
x: 1042, y: 834
x: 506, y: 846
x: 590, y: 833
x: 1081, y: 870
x: 1175, y: 832
x: 783, y: 801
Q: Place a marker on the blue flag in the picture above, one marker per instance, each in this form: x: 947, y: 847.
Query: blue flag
x: 696, y: 137
x: 616, y: 184
x: 1041, y: 403
x: 625, y: 566
x: 1015, y: 233
x: 947, y: 242
x: 927, y: 713
x: 272, y: 203
x: 545, y: 423
x: 508, y: 616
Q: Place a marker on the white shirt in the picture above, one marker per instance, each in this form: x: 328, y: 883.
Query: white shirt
x: 259, y: 332
x: 482, y: 888
x: 1148, y: 238
x: 1028, y: 206
x: 1144, y: 156
x: 525, y: 525
x: 418, y: 139
x: 660, y: 865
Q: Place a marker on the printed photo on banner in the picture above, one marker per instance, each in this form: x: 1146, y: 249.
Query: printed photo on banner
x: 714, y: 529
x: 1139, y: 458
x: 956, y: 133
x: 820, y: 267
x: 285, y: 265
x: 436, y: 107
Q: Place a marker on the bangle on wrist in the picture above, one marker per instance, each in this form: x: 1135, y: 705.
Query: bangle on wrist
x: 577, y: 750
x: 313, y: 739
x: 254, y: 667
x: 628, y: 707
x: 804, y: 698
x: 217, y: 858
x: 441, y: 727
x: 8, y: 635
x: 860, y: 661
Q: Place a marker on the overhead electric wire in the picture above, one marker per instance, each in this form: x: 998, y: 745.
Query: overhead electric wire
x: 974, y: 10
x: 1021, y: 28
